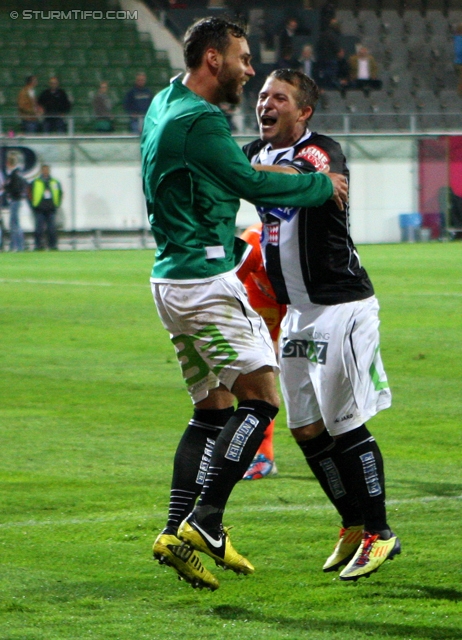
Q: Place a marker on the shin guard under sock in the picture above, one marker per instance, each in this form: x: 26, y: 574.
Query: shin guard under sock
x: 360, y: 463
x: 191, y: 462
x: 233, y: 451
x: 319, y: 453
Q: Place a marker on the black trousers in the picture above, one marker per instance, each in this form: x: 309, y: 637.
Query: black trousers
x: 45, y: 224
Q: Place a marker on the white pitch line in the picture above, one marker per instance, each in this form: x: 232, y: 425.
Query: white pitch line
x: 70, y: 283
x: 431, y: 294
x: 124, y: 515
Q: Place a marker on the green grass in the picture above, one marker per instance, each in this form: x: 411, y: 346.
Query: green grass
x: 92, y: 406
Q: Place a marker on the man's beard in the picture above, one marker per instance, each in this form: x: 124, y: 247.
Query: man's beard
x: 229, y: 87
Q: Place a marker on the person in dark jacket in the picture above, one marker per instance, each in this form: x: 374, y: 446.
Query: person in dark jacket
x: 327, y: 52
x: 55, y: 104
x: 15, y: 190
x: 137, y: 102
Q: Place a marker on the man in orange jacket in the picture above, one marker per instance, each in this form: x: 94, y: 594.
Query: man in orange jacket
x: 263, y: 300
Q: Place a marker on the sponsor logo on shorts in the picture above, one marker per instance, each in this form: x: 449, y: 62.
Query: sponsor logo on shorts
x: 315, y: 156
x: 343, y: 418
x: 317, y: 351
x: 314, y: 350
x: 294, y: 348
x: 240, y: 438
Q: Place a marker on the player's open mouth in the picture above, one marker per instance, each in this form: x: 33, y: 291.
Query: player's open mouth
x: 268, y: 121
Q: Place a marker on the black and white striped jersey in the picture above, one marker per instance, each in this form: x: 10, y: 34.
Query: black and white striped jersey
x: 309, y: 254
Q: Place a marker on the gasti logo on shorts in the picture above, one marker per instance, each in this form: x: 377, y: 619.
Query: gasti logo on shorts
x: 316, y: 156
x: 314, y: 350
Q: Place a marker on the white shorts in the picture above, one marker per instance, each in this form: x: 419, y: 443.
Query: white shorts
x: 331, y: 366
x: 216, y: 334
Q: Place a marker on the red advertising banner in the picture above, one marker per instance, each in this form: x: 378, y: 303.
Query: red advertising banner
x: 440, y: 183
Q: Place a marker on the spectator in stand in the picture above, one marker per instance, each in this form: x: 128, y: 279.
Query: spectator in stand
x: 28, y: 107
x: 137, y: 101
x: 308, y: 62
x: 288, y: 60
x: 15, y: 189
x: 363, y: 70
x: 326, y: 14
x: 46, y: 197
x: 343, y: 72
x: 102, y: 109
x: 458, y: 55
x: 55, y: 104
x: 287, y: 36
x: 327, y: 50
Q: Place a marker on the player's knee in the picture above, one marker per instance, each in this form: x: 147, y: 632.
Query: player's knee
x: 258, y: 385
x: 309, y: 431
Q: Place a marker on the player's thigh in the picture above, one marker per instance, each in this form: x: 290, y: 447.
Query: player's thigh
x: 340, y: 345
x: 216, y: 334
x: 297, y: 388
x: 257, y: 385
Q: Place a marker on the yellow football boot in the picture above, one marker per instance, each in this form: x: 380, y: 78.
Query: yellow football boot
x: 169, y: 550
x: 346, y: 547
x: 372, y: 553
x: 217, y: 547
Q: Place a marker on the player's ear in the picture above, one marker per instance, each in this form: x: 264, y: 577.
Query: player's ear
x: 306, y: 114
x: 213, y: 58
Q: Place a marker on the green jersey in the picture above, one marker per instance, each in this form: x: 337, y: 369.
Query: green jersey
x: 194, y: 175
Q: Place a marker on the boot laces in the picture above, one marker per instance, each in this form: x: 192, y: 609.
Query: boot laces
x: 369, y: 540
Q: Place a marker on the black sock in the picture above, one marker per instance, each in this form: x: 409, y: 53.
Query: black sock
x: 233, y: 452
x: 191, y: 462
x: 319, y: 453
x: 360, y: 464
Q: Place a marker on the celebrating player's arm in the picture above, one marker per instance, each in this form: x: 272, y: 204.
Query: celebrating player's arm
x: 339, y: 182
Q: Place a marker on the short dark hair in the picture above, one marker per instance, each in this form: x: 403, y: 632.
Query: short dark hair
x: 29, y: 79
x: 307, y: 89
x: 206, y: 33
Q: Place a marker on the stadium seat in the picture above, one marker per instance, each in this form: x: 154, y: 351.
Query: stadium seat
x: 121, y: 57
x: 357, y: 102
x: 76, y: 58
x: 437, y: 23
x: 436, y: 6
x: 385, y: 115
x: 81, y: 40
x: 71, y: 75
x: 413, y: 5
x: 115, y: 76
x: 414, y: 23
x: 348, y: 22
x: 10, y: 59
x: 403, y: 100
x: 392, y: 23
x: 82, y: 95
x: 333, y: 102
x: 391, y: 5
x: 98, y: 58
x: 369, y: 23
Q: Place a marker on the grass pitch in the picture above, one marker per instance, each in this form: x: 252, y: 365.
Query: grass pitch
x: 92, y: 406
